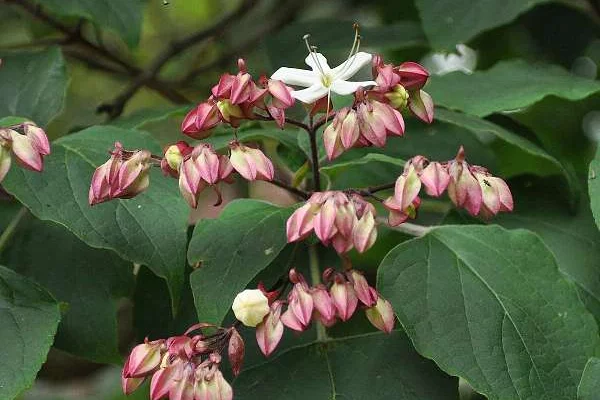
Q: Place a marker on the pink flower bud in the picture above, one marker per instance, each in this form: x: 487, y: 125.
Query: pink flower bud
x: 200, y: 120
x: 134, y: 176
x: 300, y: 302
x: 333, y: 143
x: 391, y: 118
x: 270, y: 331
x: 397, y: 217
x: 38, y: 138
x: 406, y: 190
x: 376, y: 63
x: 105, y: 176
x: 363, y: 291
x: 342, y: 244
x: 164, y: 379
x: 496, y: 195
x: 236, y: 350
x: 324, y: 220
x: 144, y: 358
x: 240, y: 88
x: 191, y: 183
x: 251, y: 163
x: 300, y: 223
x: 412, y: 75
x: 182, y: 387
x: 26, y: 152
x: 421, y: 105
x: 207, y: 162
x: 381, y: 315
x: 349, y: 129
x: 386, y: 78
x: 278, y: 114
x: 289, y: 319
x: 324, y: 307
x: 364, y: 232
x: 223, y: 88
x: 5, y: 160
x: 282, y: 94
x: 464, y: 189
x: 344, y: 298
x: 435, y: 177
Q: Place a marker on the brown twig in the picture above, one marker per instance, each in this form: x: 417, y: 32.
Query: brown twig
x: 149, y: 74
x: 74, y: 36
x: 298, y: 192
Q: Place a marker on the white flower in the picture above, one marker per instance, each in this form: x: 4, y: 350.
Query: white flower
x: 322, y: 79
x: 443, y: 63
x: 250, y: 307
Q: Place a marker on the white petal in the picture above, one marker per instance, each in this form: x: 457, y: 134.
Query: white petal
x: 345, y: 87
x: 295, y: 76
x: 320, y: 58
x: 311, y: 94
x: 352, y: 65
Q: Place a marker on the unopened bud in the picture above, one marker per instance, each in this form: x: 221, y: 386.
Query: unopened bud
x: 236, y: 350
x: 381, y: 315
x: 250, y: 307
x: 398, y: 97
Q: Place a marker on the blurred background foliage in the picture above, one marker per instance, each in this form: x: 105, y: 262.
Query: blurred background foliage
x: 529, y: 93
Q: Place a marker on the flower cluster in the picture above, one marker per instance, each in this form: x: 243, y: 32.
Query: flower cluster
x: 327, y: 303
x: 235, y: 98
x: 469, y: 186
x: 345, y: 221
x: 185, y: 367
x: 123, y: 176
x: 29, y: 147
x: 376, y: 112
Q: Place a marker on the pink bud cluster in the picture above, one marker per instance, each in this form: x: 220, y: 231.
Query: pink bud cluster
x: 469, y: 186
x: 185, y: 367
x: 345, y: 221
x: 28, y: 148
x: 235, y: 98
x: 376, y: 113
x: 123, y: 176
x: 327, y: 303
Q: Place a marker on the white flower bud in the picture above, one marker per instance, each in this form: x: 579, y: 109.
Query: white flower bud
x: 250, y: 307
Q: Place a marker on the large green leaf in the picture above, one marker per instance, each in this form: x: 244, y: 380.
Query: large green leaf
x: 121, y: 17
x: 372, y: 366
x: 369, y: 170
x: 589, y: 387
x: 490, y: 305
x: 594, y: 187
x: 29, y: 318
x: 91, y: 281
x: 232, y: 250
x: 449, y: 22
x: 149, y: 229
x: 33, y: 84
x: 507, y: 86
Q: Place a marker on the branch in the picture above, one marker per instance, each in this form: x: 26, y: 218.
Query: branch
x: 74, y: 36
x: 278, y: 17
x: 115, y: 108
x: 408, y: 228
x: 314, y: 154
x: 290, y: 188
x: 8, y: 233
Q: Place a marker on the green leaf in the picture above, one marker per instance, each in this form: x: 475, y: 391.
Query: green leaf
x: 489, y: 305
x: 372, y: 366
x: 29, y: 317
x: 232, y: 250
x: 288, y: 137
x: 372, y: 169
x: 121, y: 17
x: 447, y: 23
x: 334, y: 37
x: 91, y: 281
x: 572, y: 237
x: 525, y: 156
x: 33, y: 84
x: 10, y: 121
x: 149, y: 229
x: 594, y: 187
x: 589, y: 387
x: 507, y: 86
x: 139, y: 118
